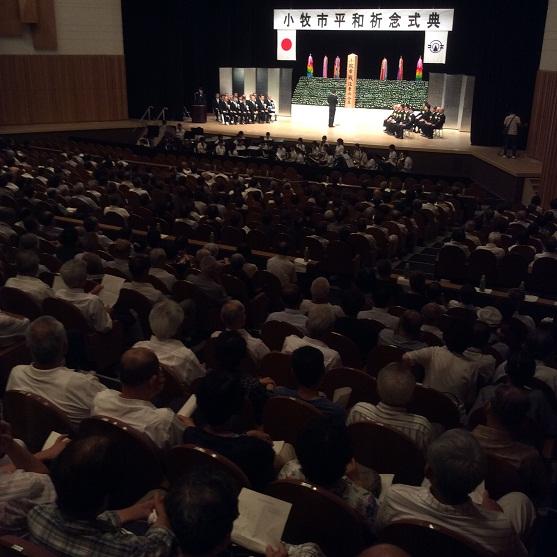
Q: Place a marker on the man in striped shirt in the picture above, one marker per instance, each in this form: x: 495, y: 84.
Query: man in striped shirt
x: 395, y: 386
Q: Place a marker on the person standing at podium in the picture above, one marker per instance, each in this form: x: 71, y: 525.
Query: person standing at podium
x: 332, y: 101
x: 199, y: 97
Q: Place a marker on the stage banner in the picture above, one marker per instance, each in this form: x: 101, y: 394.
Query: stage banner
x: 351, y: 80
x: 286, y: 44
x: 364, y: 20
x: 435, y: 47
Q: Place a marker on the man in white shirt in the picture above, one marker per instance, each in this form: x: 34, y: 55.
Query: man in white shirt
x: 114, y: 207
x: 511, y: 125
x: 492, y: 245
x: 321, y: 320
x: 233, y: 317
x: 476, y: 352
x: 550, y: 249
x: 158, y: 262
x: 320, y: 289
x: 26, y: 280
x: 165, y: 321
x: 74, y: 274
x: 11, y: 326
x: 121, y: 250
x: 71, y: 391
x: 431, y: 315
x: 455, y: 467
x: 291, y: 296
x: 139, y: 269
x: 395, y: 385
x: 446, y: 368
x: 282, y: 266
x: 380, y: 310
x: 142, y: 380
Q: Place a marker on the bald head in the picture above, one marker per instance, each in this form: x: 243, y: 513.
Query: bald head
x: 233, y: 315
x: 384, y: 550
x: 138, y: 366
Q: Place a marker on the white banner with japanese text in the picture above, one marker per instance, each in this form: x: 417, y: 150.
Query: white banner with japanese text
x: 435, y: 47
x: 365, y: 20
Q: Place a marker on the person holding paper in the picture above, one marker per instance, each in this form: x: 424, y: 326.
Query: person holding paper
x: 74, y: 275
x: 165, y: 320
x: 456, y: 466
x: 79, y: 522
x: 27, y: 485
x: 325, y: 454
x: 220, y: 398
x: 47, y: 375
x: 142, y: 380
x: 203, y: 511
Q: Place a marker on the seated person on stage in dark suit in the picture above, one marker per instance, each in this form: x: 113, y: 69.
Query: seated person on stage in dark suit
x: 216, y: 107
x: 224, y: 111
x: 350, y: 326
x: 422, y: 116
x: 271, y: 108
x: 251, y: 103
x: 220, y: 397
x: 416, y: 297
x: 262, y: 110
x: 428, y: 122
x: 439, y: 118
x: 309, y: 369
x: 79, y: 523
x: 244, y: 111
x: 234, y: 110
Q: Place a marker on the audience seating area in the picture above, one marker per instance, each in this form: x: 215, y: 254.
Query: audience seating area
x: 248, y: 249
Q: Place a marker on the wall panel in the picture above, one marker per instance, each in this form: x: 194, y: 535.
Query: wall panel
x: 50, y: 88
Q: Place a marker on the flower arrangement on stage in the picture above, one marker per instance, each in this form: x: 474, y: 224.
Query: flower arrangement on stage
x: 371, y: 93
x: 336, y: 69
x: 384, y: 71
x: 419, y: 69
x: 310, y: 66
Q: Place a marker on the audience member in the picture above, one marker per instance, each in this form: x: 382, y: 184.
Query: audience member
x: 282, y: 266
x: 292, y: 298
x: 320, y: 291
x: 380, y: 310
x: 139, y: 271
x: 27, y: 264
x: 407, y: 333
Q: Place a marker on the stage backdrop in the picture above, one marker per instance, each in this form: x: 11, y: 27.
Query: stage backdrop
x: 173, y: 46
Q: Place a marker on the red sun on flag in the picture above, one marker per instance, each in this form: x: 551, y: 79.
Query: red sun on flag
x: 286, y: 44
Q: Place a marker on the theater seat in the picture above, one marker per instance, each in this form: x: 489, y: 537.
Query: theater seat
x: 273, y: 333
x: 364, y: 387
x: 185, y: 458
x: 285, y: 417
x: 17, y: 301
x: 140, y: 457
x: 14, y: 546
x: 425, y: 539
x: 321, y: 517
x: 33, y: 417
x: 278, y: 367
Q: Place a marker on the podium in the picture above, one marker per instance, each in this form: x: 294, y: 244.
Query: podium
x: 198, y: 114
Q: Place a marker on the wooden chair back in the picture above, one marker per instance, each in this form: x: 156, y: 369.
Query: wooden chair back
x: 258, y: 310
x: 316, y: 251
x: 273, y: 333
x: 482, y: 262
x: 513, y: 269
x: 67, y: 314
x: 278, y: 367
x: 502, y: 478
x: 158, y: 284
x: 235, y: 288
x: 451, y: 264
x: 285, y: 417
x: 140, y: 458
x: 437, y: 407
x: 347, y: 537
x: 424, y: 539
x: 33, y: 417
x: 183, y: 290
x: 14, y: 546
x: 380, y: 356
x: 185, y: 458
x: 17, y: 301
x: 542, y: 279
x: 270, y: 284
x: 347, y: 348
x: 387, y: 452
x: 364, y: 387
x: 130, y: 300
x: 430, y: 339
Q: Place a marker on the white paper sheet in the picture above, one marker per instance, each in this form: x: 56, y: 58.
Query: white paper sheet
x: 51, y: 439
x: 261, y: 521
x: 110, y: 291
x: 189, y: 407
x: 278, y: 446
x: 341, y: 396
x: 58, y: 283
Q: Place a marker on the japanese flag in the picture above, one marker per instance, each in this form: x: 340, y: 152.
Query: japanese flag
x: 286, y: 44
